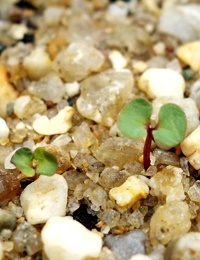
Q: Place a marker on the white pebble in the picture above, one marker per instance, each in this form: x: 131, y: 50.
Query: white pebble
x: 37, y: 64
x: 189, y: 53
x: 118, y: 61
x: 20, y: 105
x: 17, y: 31
x: 159, y: 48
x: 140, y: 257
x: 65, y: 238
x: 44, y: 198
x: 132, y: 190
x: 157, y: 82
x: 4, y: 131
x: 190, y: 147
x: 58, y: 124
x: 72, y: 89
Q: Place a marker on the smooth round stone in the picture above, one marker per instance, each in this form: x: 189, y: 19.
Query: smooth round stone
x: 44, y: 198
x: 65, y: 238
x: 159, y: 82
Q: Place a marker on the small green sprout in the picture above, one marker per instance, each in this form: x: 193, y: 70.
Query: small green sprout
x: 134, y: 122
x: 38, y: 162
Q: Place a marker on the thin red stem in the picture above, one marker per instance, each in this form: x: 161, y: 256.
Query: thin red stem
x: 147, y: 147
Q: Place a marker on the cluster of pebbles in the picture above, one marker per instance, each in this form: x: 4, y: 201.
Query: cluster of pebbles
x: 67, y: 68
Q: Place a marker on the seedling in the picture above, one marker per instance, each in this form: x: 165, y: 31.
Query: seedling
x: 134, y: 122
x: 38, y: 162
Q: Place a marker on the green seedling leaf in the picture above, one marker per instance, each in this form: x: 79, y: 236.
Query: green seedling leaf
x: 46, y: 162
x: 171, y: 128
x: 133, y: 118
x: 22, y: 159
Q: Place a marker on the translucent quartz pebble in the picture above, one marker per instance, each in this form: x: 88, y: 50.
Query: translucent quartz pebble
x: 194, y: 192
x: 132, y: 38
x: 167, y: 184
x: 49, y: 87
x: 118, y: 151
x: 110, y: 217
x: 74, y: 178
x: 187, y: 104
x: 26, y: 106
x: 78, y: 61
x: 26, y: 239
x: 103, y: 95
x: 110, y: 178
x: 165, y: 157
x: 185, y: 247
x: 195, y: 92
x: 7, y: 220
x: 126, y: 245
x: 83, y: 137
x: 169, y: 221
x: 44, y: 198
x: 65, y: 238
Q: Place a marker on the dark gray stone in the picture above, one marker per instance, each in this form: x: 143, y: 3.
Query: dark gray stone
x: 126, y: 245
x: 7, y: 220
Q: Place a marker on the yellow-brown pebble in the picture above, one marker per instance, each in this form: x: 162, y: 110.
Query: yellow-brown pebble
x: 132, y: 190
x: 7, y: 92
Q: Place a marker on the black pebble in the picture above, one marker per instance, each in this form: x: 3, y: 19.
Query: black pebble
x: 81, y: 215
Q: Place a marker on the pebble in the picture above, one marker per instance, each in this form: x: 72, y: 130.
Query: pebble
x: 118, y: 61
x: 189, y: 53
x: 37, y: 63
x: 7, y: 220
x: 140, y: 257
x: 27, y: 239
x: 131, y: 191
x: 190, y: 147
x: 158, y: 82
x: 185, y: 247
x: 194, y: 192
x: 167, y: 185
x: 159, y: 48
x: 195, y: 92
x: 180, y: 20
x: 72, y: 89
x: 94, y: 103
x: 169, y: 221
x: 77, y: 61
x: 1, y: 250
x: 59, y: 124
x: 65, y: 238
x: 44, y: 198
x: 118, y: 151
x: 187, y: 104
x: 126, y: 245
x: 7, y: 92
x: 4, y: 132
x: 50, y: 87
